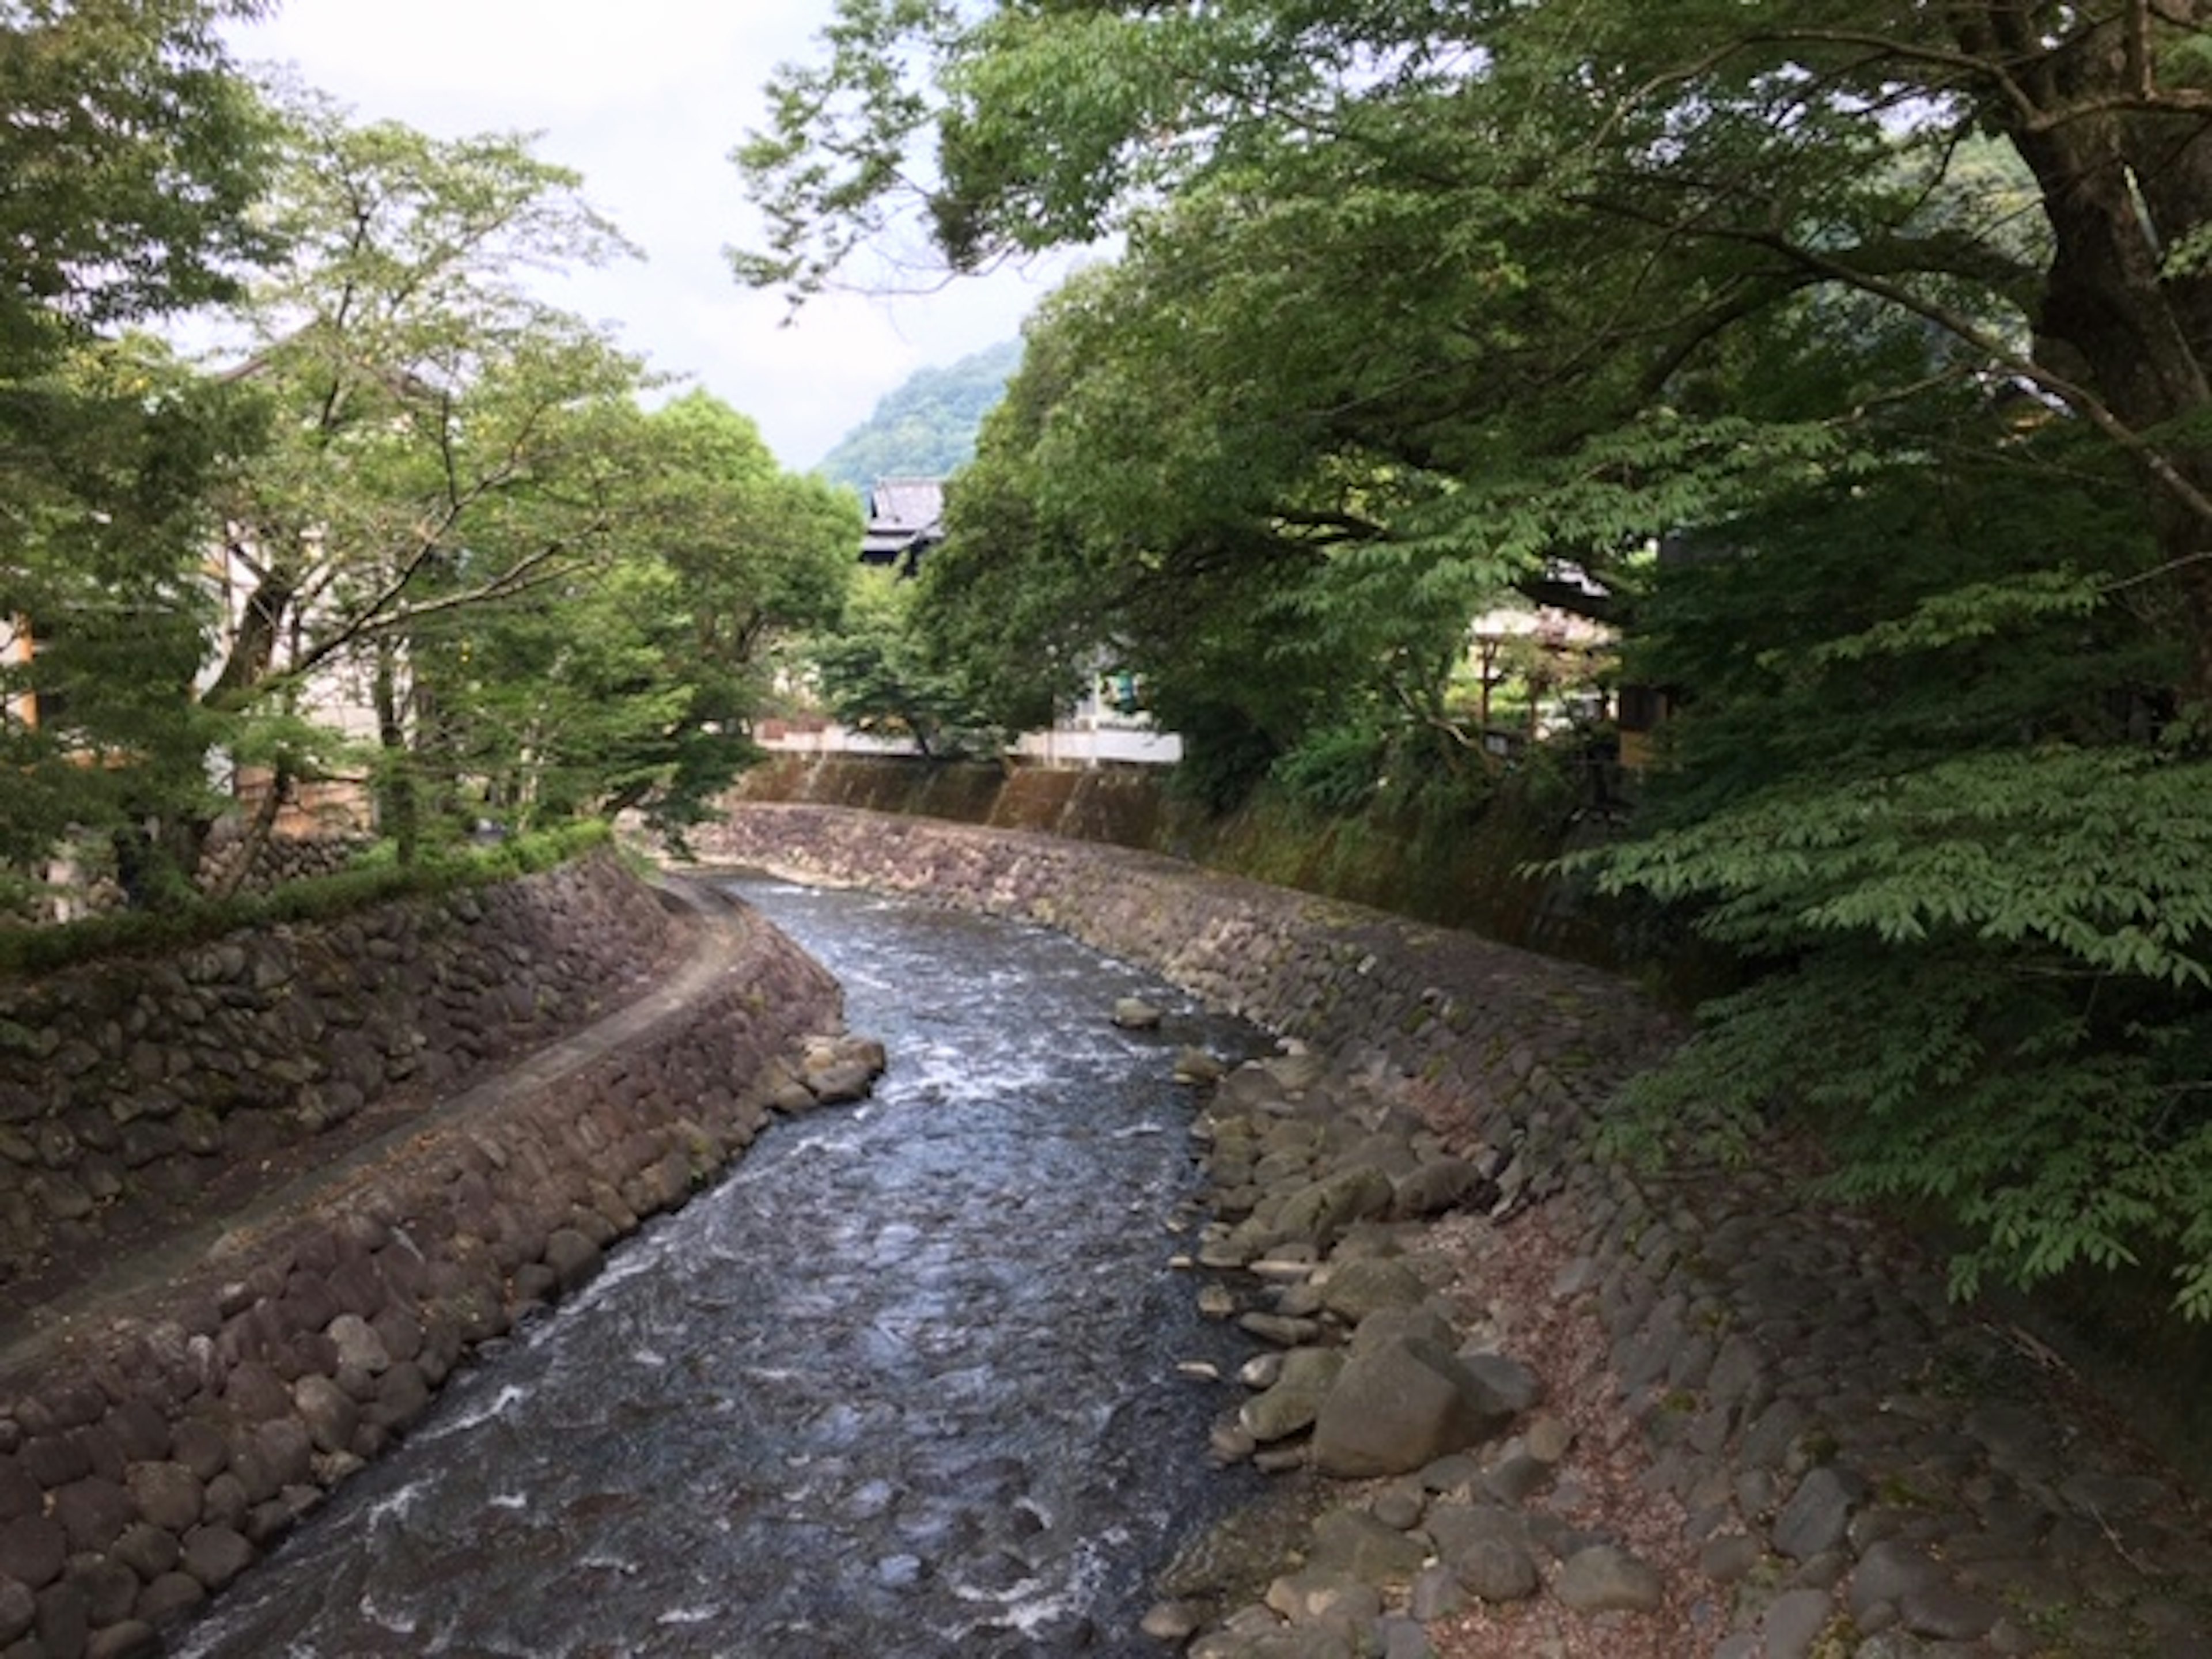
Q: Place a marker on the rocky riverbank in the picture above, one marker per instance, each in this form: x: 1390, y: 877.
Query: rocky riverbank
x: 1509, y: 1429
x: 1775, y: 1407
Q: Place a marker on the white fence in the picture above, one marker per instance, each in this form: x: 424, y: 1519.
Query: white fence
x: 1065, y: 746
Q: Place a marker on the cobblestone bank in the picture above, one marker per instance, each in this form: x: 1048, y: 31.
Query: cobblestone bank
x: 154, y: 1444
x: 127, y: 1086
x: 1866, y: 1470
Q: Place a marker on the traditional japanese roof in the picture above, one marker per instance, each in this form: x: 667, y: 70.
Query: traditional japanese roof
x: 906, y: 519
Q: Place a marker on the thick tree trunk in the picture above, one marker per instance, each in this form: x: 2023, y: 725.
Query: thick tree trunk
x: 2120, y: 189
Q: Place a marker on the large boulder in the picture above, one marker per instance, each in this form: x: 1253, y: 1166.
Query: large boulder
x: 1400, y: 1405
x: 1353, y: 1290
x: 1320, y: 1213
x: 1294, y: 1401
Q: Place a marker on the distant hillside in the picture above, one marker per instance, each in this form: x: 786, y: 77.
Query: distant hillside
x: 926, y: 428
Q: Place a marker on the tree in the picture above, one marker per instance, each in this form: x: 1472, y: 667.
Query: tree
x: 1437, y: 297
x: 133, y: 150
x: 875, y: 673
x: 636, y: 688
x: 925, y: 427
x: 437, y: 452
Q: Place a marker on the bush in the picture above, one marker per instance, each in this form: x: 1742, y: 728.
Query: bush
x: 376, y: 878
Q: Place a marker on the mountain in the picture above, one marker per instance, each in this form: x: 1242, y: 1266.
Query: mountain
x: 926, y: 428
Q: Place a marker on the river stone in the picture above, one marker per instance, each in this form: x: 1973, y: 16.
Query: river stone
x: 1603, y: 1578
x: 1497, y: 1570
x: 147, y: 1550
x: 20, y: 1492
x: 1512, y: 1385
x: 1321, y: 1211
x: 1435, y: 1188
x: 1400, y: 1405
x: 1548, y: 1439
x: 1320, y: 1595
x: 200, y: 1447
x: 129, y: 1638
x: 33, y: 1550
x: 359, y: 1343
x: 1262, y: 1371
x: 1436, y: 1593
x: 1390, y: 1324
x: 1817, y: 1518
x: 1353, y: 1542
x: 19, y: 1609
x: 1948, y: 1613
x: 333, y: 1415
x: 1516, y: 1476
x: 110, y: 1588
x: 840, y: 1083
x: 65, y: 1622
x: 1198, y: 1067
x: 1135, y: 1014
x: 1171, y: 1622
x: 167, y: 1494
x: 169, y: 1595
x: 1887, y: 1571
x: 1354, y: 1289
x: 216, y: 1555
x: 1793, y: 1620
x: 93, y: 1512
x: 55, y: 1459
x: 572, y: 1257
x: 1283, y: 1330
x: 1295, y: 1399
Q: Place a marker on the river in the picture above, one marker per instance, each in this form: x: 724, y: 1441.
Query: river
x: 904, y: 1383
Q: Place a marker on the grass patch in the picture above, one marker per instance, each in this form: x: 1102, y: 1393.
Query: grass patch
x: 375, y: 878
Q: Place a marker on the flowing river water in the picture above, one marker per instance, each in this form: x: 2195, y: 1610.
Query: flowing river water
x: 903, y: 1384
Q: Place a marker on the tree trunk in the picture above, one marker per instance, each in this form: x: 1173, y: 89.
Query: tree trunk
x: 397, y: 810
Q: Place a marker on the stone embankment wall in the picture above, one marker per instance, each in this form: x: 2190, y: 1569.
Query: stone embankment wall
x: 1469, y: 872
x: 1866, y: 1469
x: 277, y: 861
x: 1513, y: 1049
x: 128, y: 1086
x: 153, y: 1442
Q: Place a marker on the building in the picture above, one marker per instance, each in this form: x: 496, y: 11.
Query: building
x: 906, y: 519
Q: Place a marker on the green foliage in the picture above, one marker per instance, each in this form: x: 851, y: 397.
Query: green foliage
x: 634, y: 686
x: 925, y: 427
x: 1855, y: 323
x: 874, y: 672
x: 1939, y: 815
x: 132, y: 150
x: 378, y: 878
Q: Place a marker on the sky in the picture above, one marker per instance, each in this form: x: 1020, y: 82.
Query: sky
x: 646, y: 99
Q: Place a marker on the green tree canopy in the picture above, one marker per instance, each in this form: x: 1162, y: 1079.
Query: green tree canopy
x: 636, y: 685
x: 925, y: 427
x: 1890, y: 326
x: 132, y: 150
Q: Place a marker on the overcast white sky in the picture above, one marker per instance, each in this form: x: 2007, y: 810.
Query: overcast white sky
x: 646, y: 98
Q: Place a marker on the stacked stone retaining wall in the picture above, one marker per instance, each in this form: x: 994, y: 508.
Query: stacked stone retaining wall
x: 152, y: 1442
x: 127, y: 1086
x: 1514, y: 1049
x: 1868, y: 1468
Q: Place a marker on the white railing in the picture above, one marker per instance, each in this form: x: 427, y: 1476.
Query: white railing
x: 1063, y: 746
